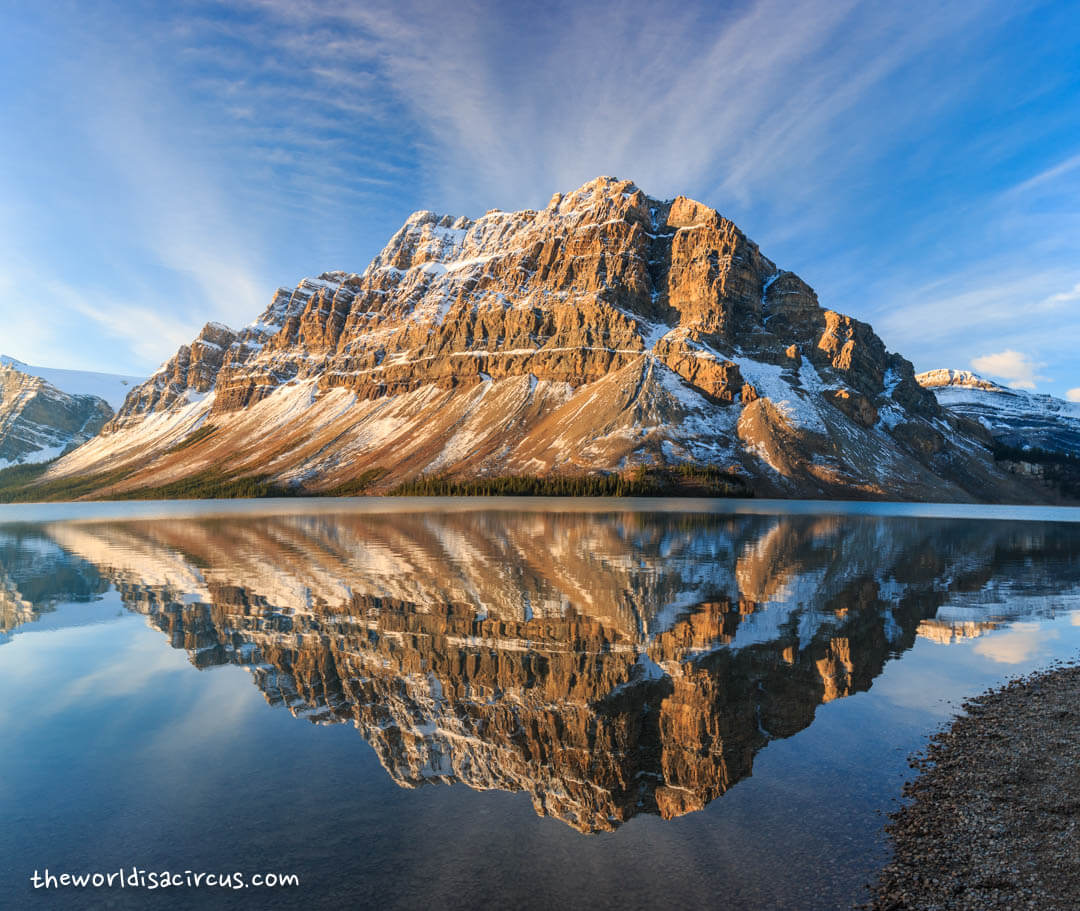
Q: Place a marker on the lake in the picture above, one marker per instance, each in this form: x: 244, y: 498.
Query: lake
x: 496, y: 703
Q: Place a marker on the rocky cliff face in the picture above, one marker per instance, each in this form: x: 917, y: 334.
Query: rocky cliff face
x: 606, y: 330
x: 607, y: 665
x: 38, y: 422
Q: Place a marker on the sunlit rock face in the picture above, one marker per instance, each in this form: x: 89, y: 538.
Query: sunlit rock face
x: 606, y: 330
x: 946, y: 632
x: 607, y: 665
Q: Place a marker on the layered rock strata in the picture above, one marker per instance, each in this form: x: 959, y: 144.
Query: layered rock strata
x: 606, y: 330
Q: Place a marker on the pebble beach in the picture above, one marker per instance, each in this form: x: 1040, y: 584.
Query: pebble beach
x: 993, y: 819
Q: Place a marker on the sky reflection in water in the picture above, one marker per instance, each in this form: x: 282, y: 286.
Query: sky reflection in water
x: 591, y: 683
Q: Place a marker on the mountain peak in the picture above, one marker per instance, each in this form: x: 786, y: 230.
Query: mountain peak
x: 933, y: 379
x: 607, y: 185
x: 1014, y: 418
x: 607, y: 331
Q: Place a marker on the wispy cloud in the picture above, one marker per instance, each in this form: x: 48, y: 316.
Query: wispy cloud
x: 146, y: 330
x: 914, y: 164
x: 1065, y: 297
x: 512, y: 103
x: 1047, y: 176
x: 974, y: 302
x: 1015, y: 367
x: 182, y: 215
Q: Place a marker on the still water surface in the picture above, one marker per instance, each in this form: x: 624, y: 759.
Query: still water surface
x: 497, y: 703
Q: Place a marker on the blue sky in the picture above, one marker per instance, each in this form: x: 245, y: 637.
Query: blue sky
x: 167, y: 164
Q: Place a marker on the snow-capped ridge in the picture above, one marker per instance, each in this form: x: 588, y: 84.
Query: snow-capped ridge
x: 933, y: 379
x: 38, y: 421
x: 112, y: 387
x: 1013, y: 417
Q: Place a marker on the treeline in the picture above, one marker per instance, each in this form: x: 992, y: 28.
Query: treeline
x: 355, y: 487
x: 642, y: 482
x: 196, y: 436
x: 526, y: 486
x: 213, y: 485
x: 1059, y: 469
x: 24, y: 484
x: 20, y: 475
x: 1035, y: 455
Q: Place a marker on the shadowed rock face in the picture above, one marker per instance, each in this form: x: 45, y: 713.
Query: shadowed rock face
x: 608, y: 665
x: 607, y: 330
x: 38, y: 421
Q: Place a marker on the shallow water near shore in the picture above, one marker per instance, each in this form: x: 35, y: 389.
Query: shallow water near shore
x: 412, y: 703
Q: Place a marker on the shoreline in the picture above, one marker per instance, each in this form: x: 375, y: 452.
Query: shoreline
x: 994, y: 815
x: 103, y: 510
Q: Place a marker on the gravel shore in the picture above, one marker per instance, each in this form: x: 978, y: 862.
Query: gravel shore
x: 994, y: 817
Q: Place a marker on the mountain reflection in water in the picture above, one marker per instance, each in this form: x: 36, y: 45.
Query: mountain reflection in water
x: 608, y: 664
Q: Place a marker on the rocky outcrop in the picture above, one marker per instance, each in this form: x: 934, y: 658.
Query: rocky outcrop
x: 38, y: 422
x: 607, y: 330
x: 186, y: 377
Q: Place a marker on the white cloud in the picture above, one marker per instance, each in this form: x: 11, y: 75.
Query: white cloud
x: 948, y: 302
x: 1065, y: 297
x: 1015, y: 367
x: 1020, y: 643
x: 1073, y: 395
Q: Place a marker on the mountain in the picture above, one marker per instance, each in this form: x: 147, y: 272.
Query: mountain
x: 1033, y: 436
x: 38, y: 421
x: 112, y: 387
x: 1015, y: 418
x: 606, y: 331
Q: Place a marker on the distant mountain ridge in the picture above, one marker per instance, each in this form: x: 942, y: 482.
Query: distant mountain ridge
x: 112, y: 387
x: 607, y: 331
x: 39, y: 422
x: 1014, y: 417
